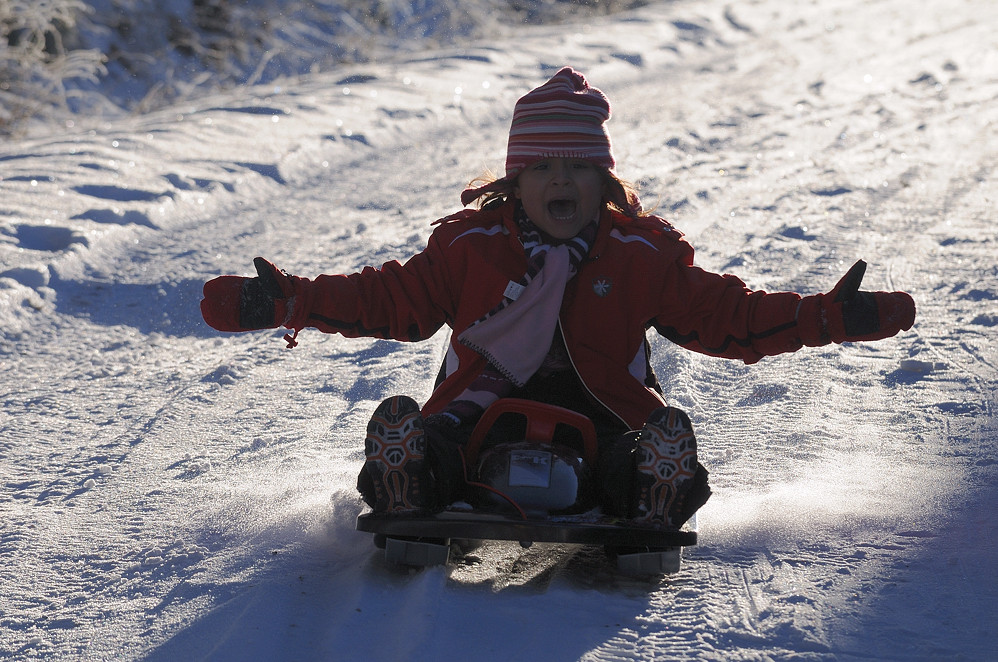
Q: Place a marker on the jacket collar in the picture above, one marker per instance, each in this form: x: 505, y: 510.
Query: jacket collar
x: 602, y: 233
x: 606, y: 221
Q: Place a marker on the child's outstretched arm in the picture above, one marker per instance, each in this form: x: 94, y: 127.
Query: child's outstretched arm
x: 720, y: 316
x: 849, y: 314
x: 403, y: 302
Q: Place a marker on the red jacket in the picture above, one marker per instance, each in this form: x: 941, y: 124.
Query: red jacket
x: 639, y: 274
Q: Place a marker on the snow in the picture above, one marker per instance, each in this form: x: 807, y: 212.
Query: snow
x: 173, y: 493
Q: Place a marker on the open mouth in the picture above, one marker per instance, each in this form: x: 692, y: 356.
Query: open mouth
x: 562, y: 210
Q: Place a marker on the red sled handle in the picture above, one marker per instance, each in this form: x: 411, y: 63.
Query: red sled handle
x: 542, y: 420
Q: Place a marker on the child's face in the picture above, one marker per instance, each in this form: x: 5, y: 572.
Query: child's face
x: 561, y: 196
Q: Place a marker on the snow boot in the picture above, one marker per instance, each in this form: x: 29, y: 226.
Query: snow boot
x: 670, y: 483
x: 396, y: 475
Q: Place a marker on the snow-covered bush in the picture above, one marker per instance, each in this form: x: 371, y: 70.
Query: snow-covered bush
x: 63, y: 57
x: 38, y: 57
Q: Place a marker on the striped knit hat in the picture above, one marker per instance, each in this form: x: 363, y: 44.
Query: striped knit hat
x: 564, y: 117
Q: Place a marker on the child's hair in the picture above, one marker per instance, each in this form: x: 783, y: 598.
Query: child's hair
x: 621, y: 195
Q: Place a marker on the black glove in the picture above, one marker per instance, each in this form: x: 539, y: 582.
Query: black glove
x: 237, y: 303
x: 848, y: 314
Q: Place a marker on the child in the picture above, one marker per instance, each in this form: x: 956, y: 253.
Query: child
x: 549, y: 288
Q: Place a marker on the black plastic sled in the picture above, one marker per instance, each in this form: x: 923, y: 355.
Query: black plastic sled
x: 534, y: 490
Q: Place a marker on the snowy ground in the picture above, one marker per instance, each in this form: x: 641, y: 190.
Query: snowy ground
x: 173, y: 493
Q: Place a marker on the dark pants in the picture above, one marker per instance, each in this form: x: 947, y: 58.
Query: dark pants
x: 448, y: 479
x: 616, y: 488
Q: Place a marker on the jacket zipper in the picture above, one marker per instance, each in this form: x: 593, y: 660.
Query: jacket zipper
x: 568, y: 352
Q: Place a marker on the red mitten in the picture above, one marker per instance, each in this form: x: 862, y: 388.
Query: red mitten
x: 236, y: 303
x: 848, y: 314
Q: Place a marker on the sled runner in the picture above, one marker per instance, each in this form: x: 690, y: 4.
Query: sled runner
x: 536, y: 489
